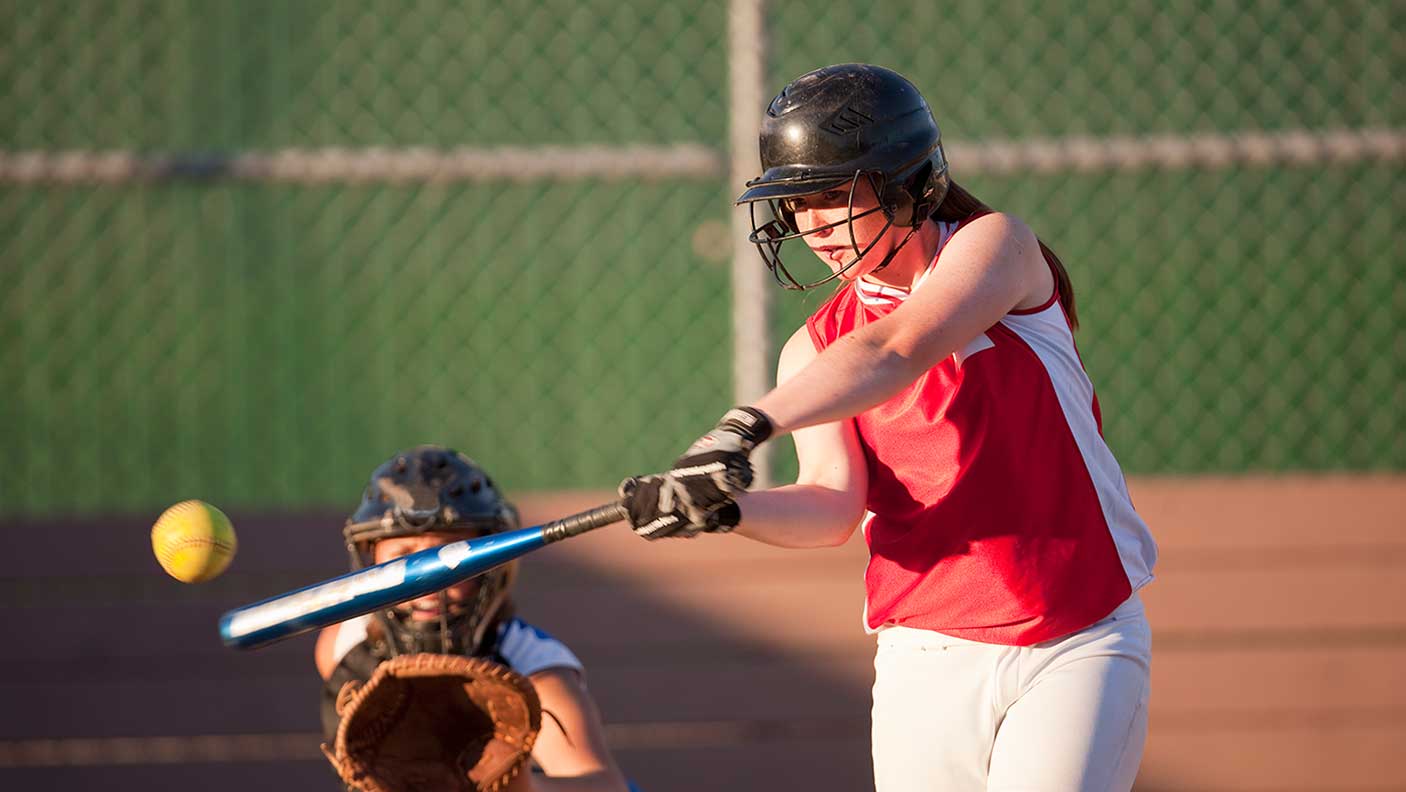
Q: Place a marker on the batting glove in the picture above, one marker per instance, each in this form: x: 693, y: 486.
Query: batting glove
x: 695, y: 496
x: 718, y: 464
x: 664, y: 507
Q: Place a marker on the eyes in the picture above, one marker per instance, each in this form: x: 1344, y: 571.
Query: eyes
x: 396, y: 550
x: 830, y: 199
x: 401, y: 546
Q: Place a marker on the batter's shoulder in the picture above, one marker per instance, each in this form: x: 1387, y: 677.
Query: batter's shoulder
x: 996, y: 225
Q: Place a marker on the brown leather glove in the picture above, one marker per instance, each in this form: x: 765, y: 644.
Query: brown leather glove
x: 437, y: 723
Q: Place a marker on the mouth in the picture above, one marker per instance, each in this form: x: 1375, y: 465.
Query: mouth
x: 832, y: 252
x: 428, y: 611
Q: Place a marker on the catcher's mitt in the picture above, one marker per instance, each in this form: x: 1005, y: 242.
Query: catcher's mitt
x: 437, y: 723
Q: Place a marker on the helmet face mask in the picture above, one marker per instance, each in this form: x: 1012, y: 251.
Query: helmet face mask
x: 769, y: 235
x: 431, y: 490
x: 827, y: 130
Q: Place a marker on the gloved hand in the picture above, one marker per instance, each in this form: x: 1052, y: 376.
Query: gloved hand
x: 661, y: 507
x: 435, y: 722
x: 695, y: 495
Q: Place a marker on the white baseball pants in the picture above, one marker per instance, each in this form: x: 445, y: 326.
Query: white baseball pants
x: 1068, y: 715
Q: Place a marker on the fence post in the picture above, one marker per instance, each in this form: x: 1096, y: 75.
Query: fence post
x: 751, y: 332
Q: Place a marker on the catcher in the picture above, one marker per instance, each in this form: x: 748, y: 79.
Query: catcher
x: 451, y: 691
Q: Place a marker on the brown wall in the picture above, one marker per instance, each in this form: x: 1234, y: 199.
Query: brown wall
x: 1279, y: 619
x: 1279, y: 661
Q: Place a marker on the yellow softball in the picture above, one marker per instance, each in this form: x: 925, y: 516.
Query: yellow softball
x: 193, y: 541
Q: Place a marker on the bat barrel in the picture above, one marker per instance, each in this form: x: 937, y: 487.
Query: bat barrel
x: 374, y: 588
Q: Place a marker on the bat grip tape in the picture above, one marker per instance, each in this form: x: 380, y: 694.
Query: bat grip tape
x: 598, y: 517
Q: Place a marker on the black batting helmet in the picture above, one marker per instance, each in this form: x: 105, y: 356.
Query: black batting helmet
x: 828, y: 129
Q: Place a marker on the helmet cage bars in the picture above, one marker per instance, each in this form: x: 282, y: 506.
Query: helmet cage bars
x: 905, y: 202
x: 466, y: 627
x: 769, y: 235
x: 432, y: 489
x: 398, y: 521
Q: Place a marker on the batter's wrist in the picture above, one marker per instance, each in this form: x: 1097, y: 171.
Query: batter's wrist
x: 749, y: 423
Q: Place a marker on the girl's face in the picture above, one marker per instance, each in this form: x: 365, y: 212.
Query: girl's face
x: 426, y: 608
x: 834, y: 245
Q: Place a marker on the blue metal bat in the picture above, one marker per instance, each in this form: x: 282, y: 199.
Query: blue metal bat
x: 383, y: 585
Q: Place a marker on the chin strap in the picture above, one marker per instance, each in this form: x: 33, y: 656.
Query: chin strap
x: 889, y: 258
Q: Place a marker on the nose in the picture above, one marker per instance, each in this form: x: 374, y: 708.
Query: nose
x: 811, y: 219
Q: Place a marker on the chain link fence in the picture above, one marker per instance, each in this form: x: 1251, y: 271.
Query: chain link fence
x: 1243, y: 309
x: 251, y: 249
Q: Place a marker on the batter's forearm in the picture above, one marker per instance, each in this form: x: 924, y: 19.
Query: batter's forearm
x: 799, y: 516
x: 858, y: 371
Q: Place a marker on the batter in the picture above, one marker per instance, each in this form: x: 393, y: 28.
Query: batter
x: 938, y: 400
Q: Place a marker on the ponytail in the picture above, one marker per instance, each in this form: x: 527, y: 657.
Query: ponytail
x: 960, y: 204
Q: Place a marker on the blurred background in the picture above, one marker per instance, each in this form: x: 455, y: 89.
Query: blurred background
x: 249, y: 250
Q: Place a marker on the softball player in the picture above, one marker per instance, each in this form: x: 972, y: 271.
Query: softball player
x: 431, y: 496
x: 937, y: 399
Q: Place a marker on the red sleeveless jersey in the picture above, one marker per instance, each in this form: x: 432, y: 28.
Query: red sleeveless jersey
x: 996, y: 511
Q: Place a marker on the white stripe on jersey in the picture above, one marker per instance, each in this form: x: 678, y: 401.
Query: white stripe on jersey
x: 1047, y: 333
x: 973, y: 346
x: 870, y: 293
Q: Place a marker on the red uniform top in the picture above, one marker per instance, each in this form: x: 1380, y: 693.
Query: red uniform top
x: 996, y: 511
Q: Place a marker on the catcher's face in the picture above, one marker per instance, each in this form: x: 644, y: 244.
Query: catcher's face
x: 426, y: 608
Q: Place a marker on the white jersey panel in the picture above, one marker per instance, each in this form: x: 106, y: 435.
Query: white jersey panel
x: 526, y: 648
x: 529, y: 649
x: 1048, y: 335
x: 350, y: 633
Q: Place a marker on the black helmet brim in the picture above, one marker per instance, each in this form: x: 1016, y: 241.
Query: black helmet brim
x: 791, y: 188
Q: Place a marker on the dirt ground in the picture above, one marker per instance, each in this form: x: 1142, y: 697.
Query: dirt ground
x: 1279, y: 660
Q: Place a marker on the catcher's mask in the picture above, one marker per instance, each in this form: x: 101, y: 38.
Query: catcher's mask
x: 432, y: 489
x: 827, y: 130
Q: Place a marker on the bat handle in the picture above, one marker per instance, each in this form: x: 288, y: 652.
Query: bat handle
x: 598, y: 517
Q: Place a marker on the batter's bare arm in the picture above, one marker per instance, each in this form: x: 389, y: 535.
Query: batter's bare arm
x: 826, y: 503
x: 990, y: 267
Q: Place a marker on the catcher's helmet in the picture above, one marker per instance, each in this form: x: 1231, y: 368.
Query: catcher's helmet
x: 434, y: 489
x: 429, y: 488
x: 826, y: 130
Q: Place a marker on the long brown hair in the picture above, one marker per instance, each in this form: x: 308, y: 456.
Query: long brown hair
x: 960, y: 204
